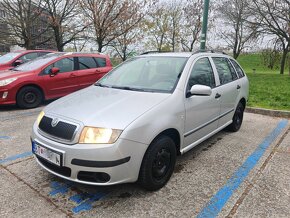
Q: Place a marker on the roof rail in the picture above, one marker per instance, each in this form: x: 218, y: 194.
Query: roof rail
x: 208, y: 51
x: 149, y: 52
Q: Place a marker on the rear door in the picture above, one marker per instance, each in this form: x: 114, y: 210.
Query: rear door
x: 229, y: 89
x: 202, y: 112
x: 64, y: 82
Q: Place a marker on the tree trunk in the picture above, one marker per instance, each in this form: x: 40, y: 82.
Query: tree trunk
x: 283, y: 60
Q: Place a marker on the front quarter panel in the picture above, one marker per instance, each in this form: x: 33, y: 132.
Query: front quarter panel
x: 169, y: 114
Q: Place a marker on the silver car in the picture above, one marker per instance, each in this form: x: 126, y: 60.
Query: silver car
x: 131, y: 124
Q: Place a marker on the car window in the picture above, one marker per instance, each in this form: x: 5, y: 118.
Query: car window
x: 101, y: 62
x: 42, y: 53
x: 64, y: 65
x: 8, y: 57
x: 202, y: 74
x: 153, y: 74
x: 28, y: 57
x: 226, y: 74
x: 238, y: 69
x: 87, y: 63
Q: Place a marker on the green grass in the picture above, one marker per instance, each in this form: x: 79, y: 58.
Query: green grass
x: 268, y: 89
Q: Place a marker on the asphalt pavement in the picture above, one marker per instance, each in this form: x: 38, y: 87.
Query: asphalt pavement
x: 243, y: 174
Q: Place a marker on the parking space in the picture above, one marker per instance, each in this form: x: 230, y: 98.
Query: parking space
x: 232, y: 174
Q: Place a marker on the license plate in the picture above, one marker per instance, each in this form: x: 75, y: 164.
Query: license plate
x: 47, y: 154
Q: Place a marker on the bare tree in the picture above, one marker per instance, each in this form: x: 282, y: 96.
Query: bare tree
x: 237, y: 32
x: 192, y: 24
x: 64, y: 20
x: 108, y: 16
x: 26, y: 23
x: 273, y: 17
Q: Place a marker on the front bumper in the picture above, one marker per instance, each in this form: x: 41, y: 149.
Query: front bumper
x: 121, y: 161
x: 7, y: 96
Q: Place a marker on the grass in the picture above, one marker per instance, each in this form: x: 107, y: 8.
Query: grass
x: 268, y: 89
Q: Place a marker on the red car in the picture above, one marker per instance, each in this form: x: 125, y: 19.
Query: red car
x: 14, y: 59
x: 51, y: 76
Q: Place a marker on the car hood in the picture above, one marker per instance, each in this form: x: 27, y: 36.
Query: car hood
x: 6, y: 74
x: 105, y: 107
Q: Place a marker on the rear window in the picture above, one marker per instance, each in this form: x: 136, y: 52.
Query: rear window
x: 87, y: 63
x: 238, y: 69
x: 101, y: 62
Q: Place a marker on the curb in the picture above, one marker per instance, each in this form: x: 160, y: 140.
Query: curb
x: 268, y: 112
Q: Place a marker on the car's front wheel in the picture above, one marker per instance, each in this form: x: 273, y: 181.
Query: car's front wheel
x: 29, y: 97
x: 158, y: 163
x: 237, y: 119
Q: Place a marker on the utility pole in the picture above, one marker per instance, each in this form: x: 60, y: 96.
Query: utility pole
x: 204, y: 25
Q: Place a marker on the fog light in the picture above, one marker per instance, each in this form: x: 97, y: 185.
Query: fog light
x: 5, y: 94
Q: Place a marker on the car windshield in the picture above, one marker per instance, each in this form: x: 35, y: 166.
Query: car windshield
x: 151, y: 74
x: 8, y: 57
x: 38, y: 62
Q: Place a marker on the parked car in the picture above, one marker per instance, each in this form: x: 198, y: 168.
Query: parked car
x: 14, y: 59
x: 132, y: 123
x: 51, y: 76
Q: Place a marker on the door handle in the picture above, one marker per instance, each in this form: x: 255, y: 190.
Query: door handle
x: 238, y: 86
x: 218, y: 95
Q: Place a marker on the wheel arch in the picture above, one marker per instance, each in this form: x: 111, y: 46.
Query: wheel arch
x: 33, y: 85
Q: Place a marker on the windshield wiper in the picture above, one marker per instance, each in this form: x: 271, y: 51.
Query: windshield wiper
x: 101, y: 85
x: 128, y: 88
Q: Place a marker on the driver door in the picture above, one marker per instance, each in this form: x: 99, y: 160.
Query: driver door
x: 202, y: 112
x: 64, y: 82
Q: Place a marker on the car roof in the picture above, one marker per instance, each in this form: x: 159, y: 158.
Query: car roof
x: 79, y: 54
x: 184, y: 54
x: 29, y: 51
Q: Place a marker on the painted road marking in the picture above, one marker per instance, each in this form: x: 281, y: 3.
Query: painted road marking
x: 5, y: 137
x: 15, y: 157
x: 20, y: 115
x: 83, y: 200
x: 217, y: 202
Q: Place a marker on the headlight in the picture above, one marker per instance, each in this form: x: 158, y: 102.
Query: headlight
x: 40, y: 116
x: 91, y: 135
x: 7, y: 81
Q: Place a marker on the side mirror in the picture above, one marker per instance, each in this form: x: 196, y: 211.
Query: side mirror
x: 54, y: 71
x: 199, y: 90
x: 17, y: 63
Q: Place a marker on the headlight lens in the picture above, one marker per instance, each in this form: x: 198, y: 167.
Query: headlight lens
x: 92, y: 135
x: 6, y: 82
x: 40, y: 116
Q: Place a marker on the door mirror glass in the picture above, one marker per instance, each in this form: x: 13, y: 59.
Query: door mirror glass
x: 200, y: 90
x: 54, y: 71
x: 17, y: 63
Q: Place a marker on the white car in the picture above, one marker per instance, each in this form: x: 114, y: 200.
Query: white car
x: 132, y: 123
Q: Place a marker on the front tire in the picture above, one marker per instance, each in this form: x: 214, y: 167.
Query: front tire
x: 237, y: 119
x: 29, y: 97
x: 158, y: 164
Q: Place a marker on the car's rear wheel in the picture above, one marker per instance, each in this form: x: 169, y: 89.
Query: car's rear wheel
x: 29, y: 97
x: 158, y: 163
x: 237, y: 118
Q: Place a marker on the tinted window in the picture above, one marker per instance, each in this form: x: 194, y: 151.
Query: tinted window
x: 28, y: 57
x: 224, y: 70
x: 238, y: 69
x: 202, y: 74
x: 87, y: 63
x: 101, y: 62
x: 8, y: 57
x: 42, y: 53
x: 64, y: 65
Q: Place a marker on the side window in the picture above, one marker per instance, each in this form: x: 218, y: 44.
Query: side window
x: 202, y: 74
x: 101, y: 62
x: 225, y: 70
x: 42, y: 53
x: 28, y: 57
x: 238, y: 69
x: 87, y: 63
x: 65, y: 65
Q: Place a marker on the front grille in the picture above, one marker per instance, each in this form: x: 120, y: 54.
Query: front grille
x: 62, y: 130
x: 64, y: 171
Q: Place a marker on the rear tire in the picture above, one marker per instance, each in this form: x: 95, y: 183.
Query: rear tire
x: 237, y: 119
x: 158, y: 164
x: 29, y: 97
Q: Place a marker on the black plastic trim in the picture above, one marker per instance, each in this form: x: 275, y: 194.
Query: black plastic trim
x: 100, y: 164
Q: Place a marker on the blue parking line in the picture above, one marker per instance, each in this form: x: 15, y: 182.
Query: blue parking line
x: 20, y: 115
x: 217, y: 202
x: 87, y: 205
x: 5, y: 137
x: 15, y: 157
x: 59, y: 188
